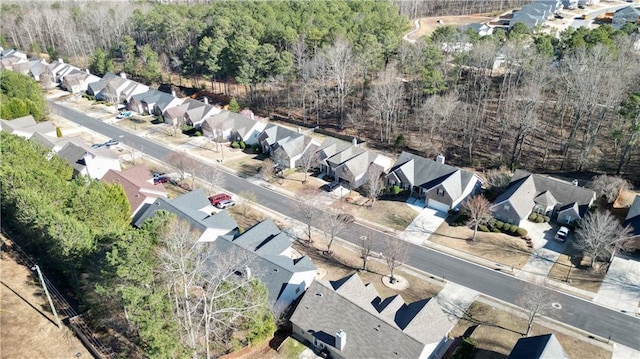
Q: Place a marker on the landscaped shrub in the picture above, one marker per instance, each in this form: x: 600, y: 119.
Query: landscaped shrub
x: 243, y: 145
x: 186, y: 128
x: 499, y: 224
x: 533, y: 217
x: 198, y: 134
x: 483, y: 228
x: 396, y: 189
x: 491, y: 222
x: 506, y: 227
x: 522, y: 232
x: 235, y: 145
x: 513, y: 230
x: 539, y: 219
x: 495, y: 230
x: 546, y: 219
x: 58, y: 132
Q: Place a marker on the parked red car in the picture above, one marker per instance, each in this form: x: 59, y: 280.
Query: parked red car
x: 220, y: 197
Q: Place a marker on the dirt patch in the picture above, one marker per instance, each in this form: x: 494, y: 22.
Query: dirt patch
x: 429, y: 24
x: 498, y: 331
x: 497, y: 247
x: 572, y: 268
x: 27, y: 326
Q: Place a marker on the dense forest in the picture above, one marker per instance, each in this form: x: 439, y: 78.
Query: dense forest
x: 517, y: 99
x: 155, y: 292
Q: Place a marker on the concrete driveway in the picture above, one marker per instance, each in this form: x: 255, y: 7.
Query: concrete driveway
x: 546, y: 250
x: 620, y: 288
x: 426, y: 223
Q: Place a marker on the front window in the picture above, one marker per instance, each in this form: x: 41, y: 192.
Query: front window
x: 440, y: 192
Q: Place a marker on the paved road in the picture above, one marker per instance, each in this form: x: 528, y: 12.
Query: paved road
x: 621, y: 328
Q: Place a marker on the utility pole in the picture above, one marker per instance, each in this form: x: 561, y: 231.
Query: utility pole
x: 44, y: 286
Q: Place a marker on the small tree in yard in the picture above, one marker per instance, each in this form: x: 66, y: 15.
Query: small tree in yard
x: 308, y: 210
x: 366, y: 248
x: 246, y: 199
x: 267, y: 169
x: 334, y: 224
x: 396, y: 253
x: 477, y: 208
x: 375, y: 183
x: 536, y: 300
x: 601, y: 235
x: 608, y: 187
x: 308, y: 160
x: 184, y: 165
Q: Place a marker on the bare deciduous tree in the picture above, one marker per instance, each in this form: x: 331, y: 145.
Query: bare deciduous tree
x: 308, y: 161
x: 341, y: 67
x: 375, y: 183
x: 396, y: 253
x: 184, y: 165
x: 366, y: 243
x: 536, y: 300
x: 210, y: 299
x: 334, y: 223
x: 247, y: 198
x: 477, y: 208
x: 609, y: 187
x: 307, y: 209
x: 385, y: 102
x: 600, y: 235
x: 267, y: 169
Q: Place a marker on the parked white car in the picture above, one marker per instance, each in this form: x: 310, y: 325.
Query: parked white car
x: 562, y: 234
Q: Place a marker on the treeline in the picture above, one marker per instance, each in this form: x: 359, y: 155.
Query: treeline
x: 427, y: 8
x: 164, y: 294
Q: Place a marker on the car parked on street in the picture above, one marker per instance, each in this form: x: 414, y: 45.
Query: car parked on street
x: 111, y: 142
x: 218, y: 198
x: 562, y: 234
x: 160, y: 179
x: 226, y: 204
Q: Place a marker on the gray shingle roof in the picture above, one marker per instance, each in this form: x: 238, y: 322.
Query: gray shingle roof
x: 343, y: 156
x: 633, y: 217
x: 375, y: 327
x: 539, y: 347
x: 426, y: 173
x: 74, y: 155
x: 330, y: 146
x: 274, y: 133
x: 194, y: 207
x: 524, y: 187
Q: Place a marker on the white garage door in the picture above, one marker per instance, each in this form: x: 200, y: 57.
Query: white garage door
x: 438, y: 205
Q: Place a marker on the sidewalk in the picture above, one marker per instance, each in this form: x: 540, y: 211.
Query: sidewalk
x: 620, y: 288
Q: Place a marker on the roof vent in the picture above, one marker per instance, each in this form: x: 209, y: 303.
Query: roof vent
x: 318, y: 294
x: 341, y: 339
x: 440, y: 159
x: 574, y: 182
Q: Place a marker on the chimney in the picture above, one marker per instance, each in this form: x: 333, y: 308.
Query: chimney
x: 574, y: 182
x: 247, y: 272
x: 123, y: 75
x: 173, y: 93
x: 299, y: 129
x: 87, y: 71
x: 341, y: 339
x: 60, y: 60
x: 354, y: 141
x: 251, y: 116
x: 440, y: 159
x: 206, y: 100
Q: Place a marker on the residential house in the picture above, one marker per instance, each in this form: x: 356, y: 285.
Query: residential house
x: 536, y: 13
x: 478, y: 28
x: 234, y: 127
x: 348, y: 319
x: 262, y: 251
x: 26, y: 126
x: 289, y: 151
x: 588, y: 2
x: 52, y: 142
x: 330, y: 147
x: 633, y: 218
x: 527, y: 193
x: 194, y: 208
x: 440, y: 186
x: 268, y: 256
x: 570, y: 4
x: 195, y: 113
x: 57, y: 70
x: 153, y: 102
x: 625, y: 15
x: 86, y: 161
x: 78, y: 81
x: 114, y: 88
x: 352, y: 166
x: 544, y: 346
x: 6, y: 53
x: 138, y: 185
x: 271, y: 135
x: 337, y: 159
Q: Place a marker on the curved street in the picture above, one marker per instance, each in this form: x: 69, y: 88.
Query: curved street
x: 593, y: 318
